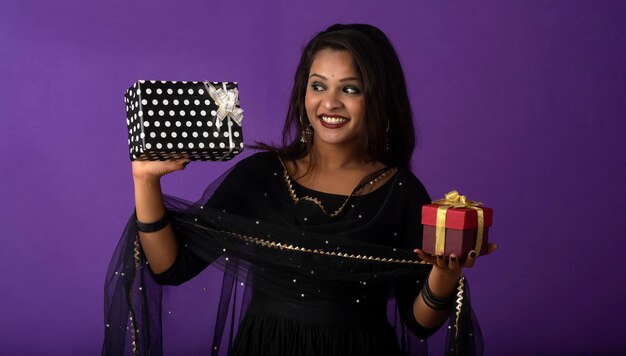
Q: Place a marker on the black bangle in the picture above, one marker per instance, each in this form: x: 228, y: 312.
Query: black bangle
x: 155, y: 226
x: 435, y: 302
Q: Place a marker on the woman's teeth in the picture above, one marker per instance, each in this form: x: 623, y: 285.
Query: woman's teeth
x: 334, y: 120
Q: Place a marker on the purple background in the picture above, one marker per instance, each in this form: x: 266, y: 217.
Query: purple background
x: 521, y: 105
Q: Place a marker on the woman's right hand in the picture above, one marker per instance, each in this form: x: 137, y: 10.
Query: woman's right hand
x: 159, y: 246
x: 153, y: 170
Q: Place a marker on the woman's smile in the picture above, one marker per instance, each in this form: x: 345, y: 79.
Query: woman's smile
x: 333, y: 121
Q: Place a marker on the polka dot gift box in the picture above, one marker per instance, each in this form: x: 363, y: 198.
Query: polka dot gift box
x: 177, y: 119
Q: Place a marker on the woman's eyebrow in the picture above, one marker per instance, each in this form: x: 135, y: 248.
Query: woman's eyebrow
x: 341, y: 80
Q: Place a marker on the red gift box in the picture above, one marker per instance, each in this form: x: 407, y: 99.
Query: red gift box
x: 458, y: 226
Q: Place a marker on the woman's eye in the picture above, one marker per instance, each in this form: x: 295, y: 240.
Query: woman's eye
x: 351, y: 90
x: 317, y: 87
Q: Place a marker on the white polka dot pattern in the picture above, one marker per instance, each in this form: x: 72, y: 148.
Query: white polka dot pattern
x: 159, y: 128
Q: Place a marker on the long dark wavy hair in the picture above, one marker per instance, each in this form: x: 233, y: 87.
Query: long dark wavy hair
x: 389, y: 135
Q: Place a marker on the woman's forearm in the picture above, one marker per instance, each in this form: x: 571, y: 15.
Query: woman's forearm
x: 160, y: 246
x: 442, y: 285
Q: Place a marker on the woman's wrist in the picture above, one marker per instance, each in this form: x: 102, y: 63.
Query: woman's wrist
x: 154, y: 225
x: 436, y: 302
x: 443, y: 282
x: 145, y: 179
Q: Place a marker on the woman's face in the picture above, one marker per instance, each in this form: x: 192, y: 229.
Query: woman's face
x: 334, y: 100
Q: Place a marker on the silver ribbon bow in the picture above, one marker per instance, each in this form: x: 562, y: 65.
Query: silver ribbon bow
x: 227, y: 101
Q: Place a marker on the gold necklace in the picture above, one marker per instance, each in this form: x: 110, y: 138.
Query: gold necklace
x: 373, y: 178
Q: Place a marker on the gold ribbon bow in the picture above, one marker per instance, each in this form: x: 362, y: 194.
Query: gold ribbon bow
x: 227, y: 101
x: 454, y: 200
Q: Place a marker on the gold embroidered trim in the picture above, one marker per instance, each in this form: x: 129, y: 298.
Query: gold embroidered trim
x: 291, y: 247
x: 459, y: 304
x: 296, y: 199
x: 133, y: 323
x: 136, y: 255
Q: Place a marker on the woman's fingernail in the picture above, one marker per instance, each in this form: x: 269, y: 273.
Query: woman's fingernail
x: 472, y: 254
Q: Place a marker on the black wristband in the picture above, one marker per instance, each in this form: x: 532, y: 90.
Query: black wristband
x: 435, y: 302
x: 155, y: 226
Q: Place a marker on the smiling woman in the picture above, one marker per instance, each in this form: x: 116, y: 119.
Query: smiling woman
x: 373, y: 76
x: 323, y: 231
x: 334, y: 101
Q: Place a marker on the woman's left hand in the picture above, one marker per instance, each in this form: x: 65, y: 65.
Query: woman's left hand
x: 442, y: 282
x: 452, y: 265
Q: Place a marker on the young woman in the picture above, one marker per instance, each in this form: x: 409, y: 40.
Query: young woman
x: 323, y: 231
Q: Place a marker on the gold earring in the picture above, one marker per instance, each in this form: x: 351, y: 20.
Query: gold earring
x: 307, y: 133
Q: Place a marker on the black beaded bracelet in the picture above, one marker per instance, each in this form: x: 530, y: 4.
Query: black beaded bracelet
x: 435, y: 302
x: 155, y: 226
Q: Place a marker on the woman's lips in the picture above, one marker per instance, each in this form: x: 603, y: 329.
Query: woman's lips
x: 333, y: 121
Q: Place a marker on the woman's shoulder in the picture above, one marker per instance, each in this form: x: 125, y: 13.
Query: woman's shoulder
x: 412, y: 185
x: 242, y: 178
x: 257, y: 163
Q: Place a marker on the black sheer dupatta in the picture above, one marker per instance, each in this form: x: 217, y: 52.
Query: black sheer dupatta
x: 143, y: 317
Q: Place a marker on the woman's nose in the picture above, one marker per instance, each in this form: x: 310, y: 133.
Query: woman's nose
x: 331, y: 100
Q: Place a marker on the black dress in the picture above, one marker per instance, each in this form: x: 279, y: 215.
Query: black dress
x: 315, y: 284
x: 316, y: 317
